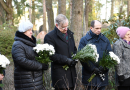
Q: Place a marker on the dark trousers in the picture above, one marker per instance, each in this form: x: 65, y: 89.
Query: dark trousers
x: 0, y: 83
x: 64, y: 88
x: 94, y: 88
x: 123, y: 87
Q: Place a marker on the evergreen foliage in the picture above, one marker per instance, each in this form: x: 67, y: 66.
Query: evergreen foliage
x: 116, y: 21
x: 7, y: 33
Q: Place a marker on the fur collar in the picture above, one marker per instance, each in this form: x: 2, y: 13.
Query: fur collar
x: 22, y: 35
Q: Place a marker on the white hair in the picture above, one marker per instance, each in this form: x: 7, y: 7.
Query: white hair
x: 60, y: 19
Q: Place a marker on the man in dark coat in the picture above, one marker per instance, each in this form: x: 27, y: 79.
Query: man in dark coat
x: 94, y: 36
x: 62, y: 40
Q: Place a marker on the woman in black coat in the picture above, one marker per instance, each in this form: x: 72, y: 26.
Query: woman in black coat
x: 28, y: 73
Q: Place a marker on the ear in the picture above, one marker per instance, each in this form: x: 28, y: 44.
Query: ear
x: 91, y: 27
x: 56, y: 25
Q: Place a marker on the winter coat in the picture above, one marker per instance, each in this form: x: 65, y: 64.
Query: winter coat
x: 122, y: 50
x: 103, y: 45
x: 28, y: 73
x: 61, y: 78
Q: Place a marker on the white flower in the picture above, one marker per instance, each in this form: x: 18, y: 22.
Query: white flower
x: 46, y: 47
x: 114, y: 57
x: 4, y: 61
x: 97, y: 57
x: 95, y: 51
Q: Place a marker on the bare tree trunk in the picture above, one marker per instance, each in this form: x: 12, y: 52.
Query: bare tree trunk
x: 86, y: 14
x: 70, y: 10
x: 90, y: 6
x: 76, y: 21
x: 77, y: 27
x: 2, y: 15
x: 112, y: 7
x: 30, y: 10
x: 50, y: 14
x: 106, y: 11
x: 33, y: 14
x: 44, y: 16
x: 9, y: 10
x: 62, y: 7
x: 128, y: 8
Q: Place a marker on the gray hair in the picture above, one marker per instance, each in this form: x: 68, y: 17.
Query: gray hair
x: 60, y: 19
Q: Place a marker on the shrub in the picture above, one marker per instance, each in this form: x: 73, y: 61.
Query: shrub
x: 7, y: 33
x: 115, y: 22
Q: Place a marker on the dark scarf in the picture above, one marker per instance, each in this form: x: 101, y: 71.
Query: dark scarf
x: 126, y: 42
x: 22, y: 35
x: 65, y: 35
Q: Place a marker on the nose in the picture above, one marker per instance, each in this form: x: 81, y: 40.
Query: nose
x: 65, y: 28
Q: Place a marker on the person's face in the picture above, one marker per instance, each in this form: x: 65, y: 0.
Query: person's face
x: 97, y: 28
x: 29, y: 33
x: 63, y: 27
x: 127, y: 36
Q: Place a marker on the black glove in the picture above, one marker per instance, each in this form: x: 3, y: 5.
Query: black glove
x: 45, y: 66
x: 103, y: 70
x: 70, y: 62
x: 121, y: 78
x: 73, y: 63
x: 96, y: 71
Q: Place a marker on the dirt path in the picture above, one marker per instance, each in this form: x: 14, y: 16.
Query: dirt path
x: 8, y: 79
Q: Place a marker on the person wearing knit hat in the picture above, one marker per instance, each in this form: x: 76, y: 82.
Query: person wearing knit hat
x: 121, y: 31
x: 24, y: 26
x: 28, y: 73
x: 122, y: 49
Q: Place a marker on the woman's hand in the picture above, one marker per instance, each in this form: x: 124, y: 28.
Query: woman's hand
x: 1, y: 76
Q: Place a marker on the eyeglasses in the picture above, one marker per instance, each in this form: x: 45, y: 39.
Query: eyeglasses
x: 64, y: 27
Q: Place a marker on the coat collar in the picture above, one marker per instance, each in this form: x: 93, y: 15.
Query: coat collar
x: 19, y: 36
x: 88, y: 36
x: 59, y: 34
x: 124, y: 43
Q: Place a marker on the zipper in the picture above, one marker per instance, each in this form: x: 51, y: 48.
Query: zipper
x: 33, y: 80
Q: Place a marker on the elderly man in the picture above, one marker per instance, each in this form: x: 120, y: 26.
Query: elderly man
x: 94, y: 36
x: 62, y: 40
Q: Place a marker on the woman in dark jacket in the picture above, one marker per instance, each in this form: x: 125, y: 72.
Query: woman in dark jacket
x: 28, y: 73
x: 122, y: 49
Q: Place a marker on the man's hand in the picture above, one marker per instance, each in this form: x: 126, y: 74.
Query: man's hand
x: 71, y: 62
x: 103, y: 70
x: 96, y: 71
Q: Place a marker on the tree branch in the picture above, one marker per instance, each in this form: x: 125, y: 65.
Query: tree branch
x: 8, y: 10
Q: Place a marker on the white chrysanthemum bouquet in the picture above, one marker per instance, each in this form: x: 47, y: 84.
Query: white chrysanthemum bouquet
x: 107, y: 61
x: 3, y: 63
x: 88, y: 53
x: 44, y: 52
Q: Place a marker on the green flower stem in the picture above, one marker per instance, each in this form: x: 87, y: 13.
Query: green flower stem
x: 65, y: 67
x: 90, y: 79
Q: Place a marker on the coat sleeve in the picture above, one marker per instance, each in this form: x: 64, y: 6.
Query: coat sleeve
x: 19, y: 57
x: 118, y: 51
x: 109, y: 46
x: 57, y: 58
x: 90, y: 65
